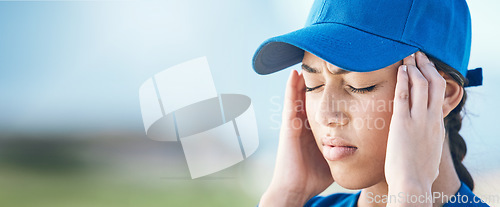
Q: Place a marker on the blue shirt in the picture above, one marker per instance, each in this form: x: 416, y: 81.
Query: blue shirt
x: 464, y: 197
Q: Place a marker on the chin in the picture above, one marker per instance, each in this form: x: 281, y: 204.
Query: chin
x: 354, y: 184
x: 355, y: 180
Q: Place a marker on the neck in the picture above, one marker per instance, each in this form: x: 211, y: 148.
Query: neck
x: 446, y: 184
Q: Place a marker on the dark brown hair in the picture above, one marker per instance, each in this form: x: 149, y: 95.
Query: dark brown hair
x: 453, y: 123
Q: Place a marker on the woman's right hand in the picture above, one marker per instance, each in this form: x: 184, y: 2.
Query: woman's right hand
x: 301, y: 171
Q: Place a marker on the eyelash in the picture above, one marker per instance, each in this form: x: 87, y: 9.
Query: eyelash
x: 352, y: 89
x: 362, y: 90
x: 312, y: 89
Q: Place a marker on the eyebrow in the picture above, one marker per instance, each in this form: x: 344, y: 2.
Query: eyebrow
x: 314, y: 70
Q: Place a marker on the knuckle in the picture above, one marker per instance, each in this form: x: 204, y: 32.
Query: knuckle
x: 440, y: 81
x: 403, y: 96
x: 437, y: 78
x: 421, y: 82
x: 429, y: 64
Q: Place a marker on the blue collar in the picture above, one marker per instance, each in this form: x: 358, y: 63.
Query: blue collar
x: 463, y: 197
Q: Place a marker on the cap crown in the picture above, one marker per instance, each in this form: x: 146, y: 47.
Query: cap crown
x: 440, y: 28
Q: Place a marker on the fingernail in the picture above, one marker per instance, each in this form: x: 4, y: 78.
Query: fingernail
x: 403, y: 67
x: 413, y: 55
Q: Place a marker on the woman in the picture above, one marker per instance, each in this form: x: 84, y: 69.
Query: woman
x: 380, y: 114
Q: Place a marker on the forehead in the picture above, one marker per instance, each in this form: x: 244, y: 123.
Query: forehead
x: 314, y: 64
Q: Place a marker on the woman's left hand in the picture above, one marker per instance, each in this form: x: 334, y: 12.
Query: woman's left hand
x: 416, y: 133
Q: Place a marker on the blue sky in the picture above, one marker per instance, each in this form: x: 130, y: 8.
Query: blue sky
x: 79, y: 65
x: 76, y: 66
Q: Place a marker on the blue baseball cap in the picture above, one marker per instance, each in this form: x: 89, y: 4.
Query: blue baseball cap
x: 367, y: 35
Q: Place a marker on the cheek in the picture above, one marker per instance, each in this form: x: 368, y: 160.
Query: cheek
x: 311, y: 110
x: 372, y: 115
x: 372, y: 128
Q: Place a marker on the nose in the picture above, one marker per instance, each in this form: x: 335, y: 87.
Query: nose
x: 331, y: 111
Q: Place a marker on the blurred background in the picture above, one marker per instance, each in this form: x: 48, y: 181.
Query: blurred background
x: 71, y: 131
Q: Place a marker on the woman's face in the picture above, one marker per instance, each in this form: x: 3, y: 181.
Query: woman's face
x: 349, y: 114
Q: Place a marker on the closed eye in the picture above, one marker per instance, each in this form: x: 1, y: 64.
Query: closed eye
x: 362, y: 90
x: 314, y: 88
x: 352, y: 89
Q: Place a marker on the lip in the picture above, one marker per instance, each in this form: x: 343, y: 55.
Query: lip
x: 335, y: 149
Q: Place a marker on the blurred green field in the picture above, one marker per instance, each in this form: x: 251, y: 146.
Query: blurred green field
x: 103, y: 173
x: 28, y: 189
x: 132, y: 170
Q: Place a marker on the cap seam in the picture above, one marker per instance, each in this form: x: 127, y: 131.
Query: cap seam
x: 417, y: 46
x: 407, y: 17
x: 321, y: 11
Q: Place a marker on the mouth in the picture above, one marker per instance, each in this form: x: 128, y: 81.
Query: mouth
x: 336, y: 149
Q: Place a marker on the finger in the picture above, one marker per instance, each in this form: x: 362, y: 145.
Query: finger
x: 290, y: 96
x: 410, y: 60
x: 300, y: 85
x: 401, y: 95
x: 441, y: 122
x: 300, y: 91
x: 418, y: 92
x: 437, y: 84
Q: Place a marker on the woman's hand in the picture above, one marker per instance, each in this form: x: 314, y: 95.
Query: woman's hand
x: 300, y: 172
x: 417, y: 132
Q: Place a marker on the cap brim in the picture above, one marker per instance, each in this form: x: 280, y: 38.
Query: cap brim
x: 343, y: 46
